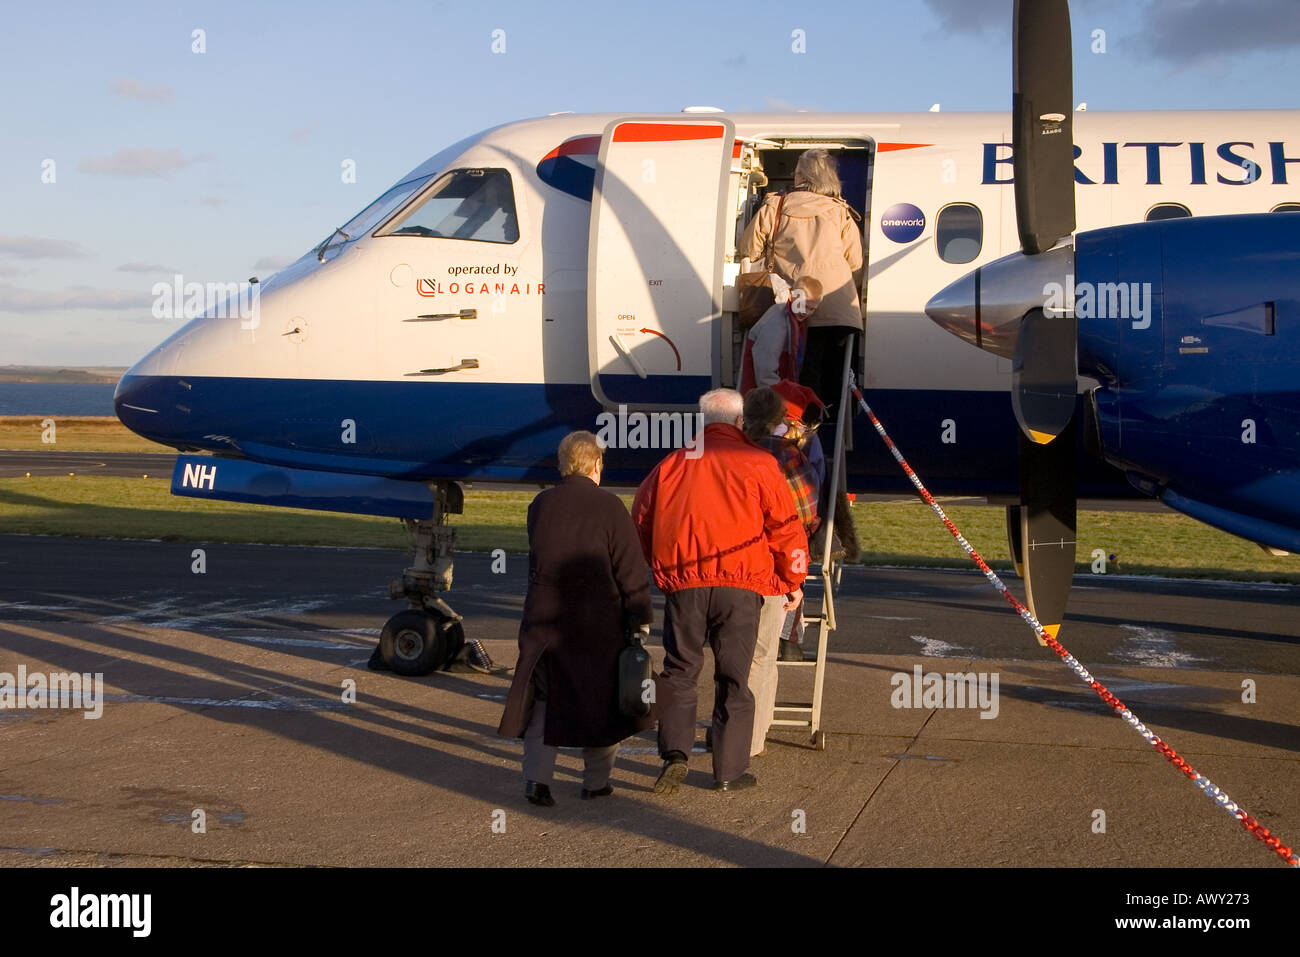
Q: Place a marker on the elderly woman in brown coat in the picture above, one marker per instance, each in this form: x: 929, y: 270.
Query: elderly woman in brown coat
x: 587, y: 586
x: 817, y: 235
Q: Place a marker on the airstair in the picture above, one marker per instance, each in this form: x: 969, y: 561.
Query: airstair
x: 823, y: 579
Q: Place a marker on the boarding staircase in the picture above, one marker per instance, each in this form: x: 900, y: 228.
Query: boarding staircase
x: 823, y: 579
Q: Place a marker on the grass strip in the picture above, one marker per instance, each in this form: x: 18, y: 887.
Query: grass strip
x: 85, y: 433
x: 1143, y: 543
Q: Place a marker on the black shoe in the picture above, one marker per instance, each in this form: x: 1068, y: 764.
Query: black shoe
x: 672, y: 774
x: 789, y: 651
x: 539, y: 794
x: 606, y: 791
x: 746, y: 780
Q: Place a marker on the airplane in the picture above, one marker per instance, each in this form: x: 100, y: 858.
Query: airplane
x: 523, y: 281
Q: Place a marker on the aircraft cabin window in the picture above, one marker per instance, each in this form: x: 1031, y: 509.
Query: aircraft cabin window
x: 1167, y: 211
x: 1287, y: 208
x: 474, y: 204
x: 959, y: 233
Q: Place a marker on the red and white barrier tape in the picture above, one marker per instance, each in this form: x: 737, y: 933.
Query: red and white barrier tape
x: 1210, y: 789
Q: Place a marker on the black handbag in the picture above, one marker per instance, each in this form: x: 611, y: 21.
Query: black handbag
x: 635, y: 683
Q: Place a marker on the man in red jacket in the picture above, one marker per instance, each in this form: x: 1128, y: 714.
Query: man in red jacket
x: 720, y: 531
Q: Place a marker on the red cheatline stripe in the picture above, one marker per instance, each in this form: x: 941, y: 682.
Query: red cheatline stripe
x: 589, y: 145
x: 665, y: 132
x: 583, y: 145
x: 1209, y: 789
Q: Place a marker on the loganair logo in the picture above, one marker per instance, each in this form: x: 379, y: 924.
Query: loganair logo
x: 432, y: 288
x: 494, y: 279
x: 902, y: 222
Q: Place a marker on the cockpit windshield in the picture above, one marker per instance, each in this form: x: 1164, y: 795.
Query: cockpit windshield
x: 366, y: 220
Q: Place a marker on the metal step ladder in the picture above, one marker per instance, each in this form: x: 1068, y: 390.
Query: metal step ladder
x: 825, y: 574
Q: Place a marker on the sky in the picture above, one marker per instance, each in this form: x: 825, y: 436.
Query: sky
x: 129, y: 156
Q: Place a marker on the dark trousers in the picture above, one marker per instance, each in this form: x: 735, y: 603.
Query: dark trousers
x: 823, y: 363
x: 823, y: 372
x: 725, y: 619
x: 539, y: 757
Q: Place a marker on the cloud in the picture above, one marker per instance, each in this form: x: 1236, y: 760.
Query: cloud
x: 146, y: 267
x: 1206, y: 29
x: 16, y: 299
x: 135, y: 90
x: 36, y: 247
x: 273, y: 262
x: 972, y: 16
x: 1168, y: 29
x: 138, y: 162
x: 211, y: 201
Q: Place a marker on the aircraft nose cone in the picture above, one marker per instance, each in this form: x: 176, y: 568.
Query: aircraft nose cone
x: 136, y: 405
x: 955, y: 308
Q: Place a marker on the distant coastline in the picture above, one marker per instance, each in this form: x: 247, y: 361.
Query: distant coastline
x: 63, y: 375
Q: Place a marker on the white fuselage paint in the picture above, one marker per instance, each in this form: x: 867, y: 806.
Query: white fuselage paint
x: 349, y: 310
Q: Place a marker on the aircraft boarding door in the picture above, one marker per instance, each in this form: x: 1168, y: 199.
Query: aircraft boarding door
x: 654, y: 268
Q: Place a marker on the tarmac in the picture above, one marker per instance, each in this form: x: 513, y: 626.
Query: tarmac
x: 230, y: 693
x: 15, y: 463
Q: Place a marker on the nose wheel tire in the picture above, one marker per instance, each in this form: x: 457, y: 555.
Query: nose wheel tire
x: 454, y: 634
x: 416, y: 642
x: 819, y: 740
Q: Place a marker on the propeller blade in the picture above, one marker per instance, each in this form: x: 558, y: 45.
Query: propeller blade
x: 1047, y: 516
x: 1014, y: 542
x: 1044, y: 374
x: 1042, y: 124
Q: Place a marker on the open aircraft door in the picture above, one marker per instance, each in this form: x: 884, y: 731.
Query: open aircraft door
x: 654, y: 279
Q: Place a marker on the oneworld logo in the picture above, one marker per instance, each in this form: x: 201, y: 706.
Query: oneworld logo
x: 902, y: 222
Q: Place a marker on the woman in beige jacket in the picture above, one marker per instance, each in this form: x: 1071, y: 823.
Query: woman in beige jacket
x: 818, y: 236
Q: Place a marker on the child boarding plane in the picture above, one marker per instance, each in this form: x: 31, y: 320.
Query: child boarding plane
x: 523, y: 281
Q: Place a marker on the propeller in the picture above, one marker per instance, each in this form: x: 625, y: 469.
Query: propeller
x: 1001, y: 307
x: 1045, y: 360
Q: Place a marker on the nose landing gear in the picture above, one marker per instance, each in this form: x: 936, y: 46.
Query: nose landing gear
x: 429, y: 635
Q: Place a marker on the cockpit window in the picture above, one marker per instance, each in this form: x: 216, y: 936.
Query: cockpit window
x: 365, y: 220
x: 474, y: 204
